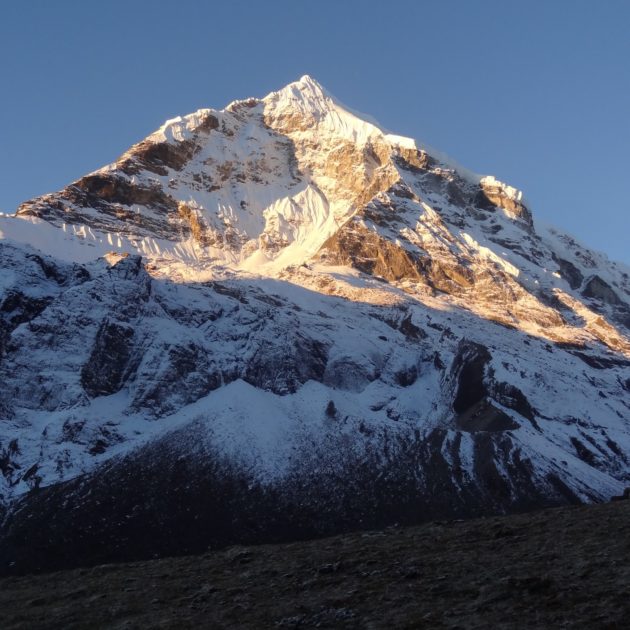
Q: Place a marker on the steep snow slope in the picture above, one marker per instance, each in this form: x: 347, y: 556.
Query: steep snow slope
x: 342, y: 320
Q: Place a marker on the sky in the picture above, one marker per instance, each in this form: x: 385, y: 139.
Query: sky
x: 534, y: 92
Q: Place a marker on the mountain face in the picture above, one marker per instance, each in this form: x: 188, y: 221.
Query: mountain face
x: 278, y: 320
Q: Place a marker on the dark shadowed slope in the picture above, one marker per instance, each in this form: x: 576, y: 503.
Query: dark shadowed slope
x: 566, y: 567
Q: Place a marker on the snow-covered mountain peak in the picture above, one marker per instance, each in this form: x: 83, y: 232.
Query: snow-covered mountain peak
x: 308, y: 81
x: 305, y: 95
x: 305, y: 89
x: 284, y: 283
x: 296, y: 178
x: 305, y: 105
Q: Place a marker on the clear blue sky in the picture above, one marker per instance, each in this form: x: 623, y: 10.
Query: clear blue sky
x: 535, y: 92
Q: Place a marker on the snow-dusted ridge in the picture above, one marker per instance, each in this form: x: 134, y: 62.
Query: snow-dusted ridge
x: 287, y: 287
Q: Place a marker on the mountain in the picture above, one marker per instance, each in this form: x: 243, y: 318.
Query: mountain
x: 278, y: 320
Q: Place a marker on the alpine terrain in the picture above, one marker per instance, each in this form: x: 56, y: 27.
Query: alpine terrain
x: 277, y: 321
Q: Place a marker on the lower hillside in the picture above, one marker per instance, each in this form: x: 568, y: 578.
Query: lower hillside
x: 178, y: 497
x: 562, y: 567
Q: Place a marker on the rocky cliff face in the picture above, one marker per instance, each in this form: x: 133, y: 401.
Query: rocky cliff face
x: 298, y: 323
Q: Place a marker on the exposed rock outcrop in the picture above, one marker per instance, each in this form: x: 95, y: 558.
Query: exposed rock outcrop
x: 282, y: 366
x: 597, y: 288
x: 472, y: 403
x: 106, y: 368
x: 493, y: 194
